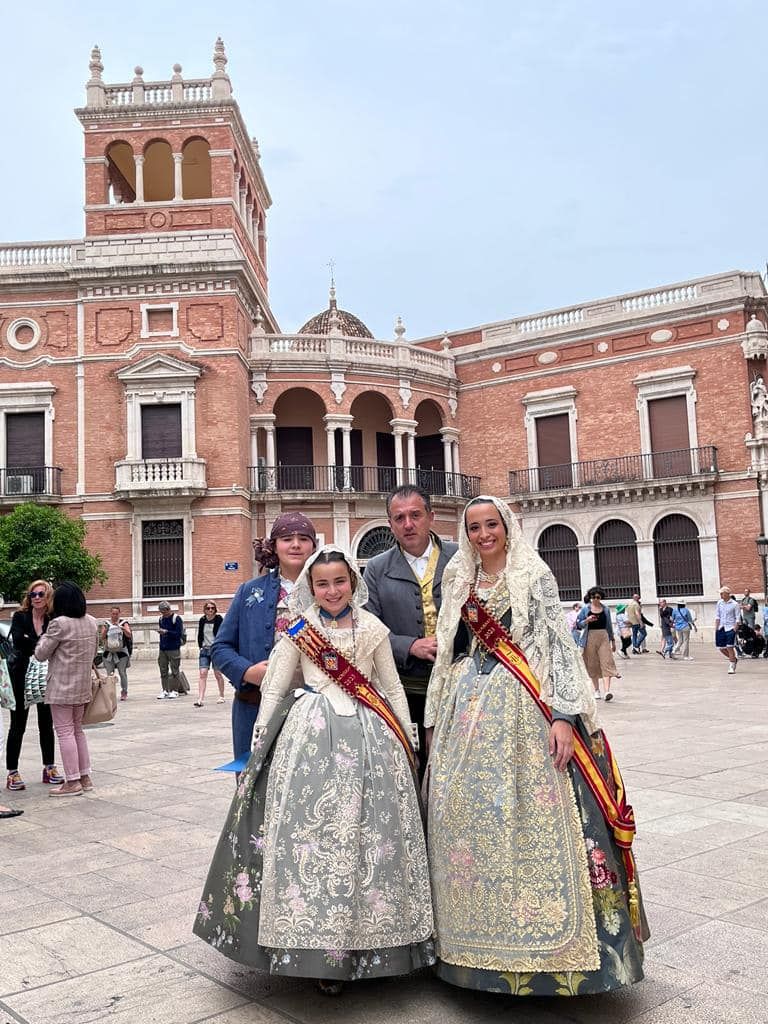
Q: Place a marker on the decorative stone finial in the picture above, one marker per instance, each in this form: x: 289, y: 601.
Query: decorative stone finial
x: 399, y: 329
x: 256, y: 150
x: 177, y: 69
x: 95, y: 93
x: 258, y: 321
x: 221, y: 85
x: 95, y: 66
x: 445, y: 344
x: 755, y: 343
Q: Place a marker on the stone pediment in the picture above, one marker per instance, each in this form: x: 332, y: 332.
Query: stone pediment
x: 158, y: 370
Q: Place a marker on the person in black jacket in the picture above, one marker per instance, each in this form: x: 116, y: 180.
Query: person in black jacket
x: 207, y: 628
x: 27, y: 626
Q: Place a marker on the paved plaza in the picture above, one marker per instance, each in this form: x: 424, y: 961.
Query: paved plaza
x: 97, y: 893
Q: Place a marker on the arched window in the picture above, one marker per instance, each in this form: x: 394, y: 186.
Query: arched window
x: 616, y: 559
x: 559, y: 547
x: 121, y: 173
x: 379, y: 539
x: 158, y: 172
x: 677, y: 557
x: 196, y: 170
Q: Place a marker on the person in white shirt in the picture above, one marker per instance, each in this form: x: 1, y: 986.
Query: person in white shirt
x: 726, y: 617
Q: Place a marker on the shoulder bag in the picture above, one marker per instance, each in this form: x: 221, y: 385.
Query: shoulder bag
x: 102, y: 706
x: 7, y: 697
x: 34, y: 682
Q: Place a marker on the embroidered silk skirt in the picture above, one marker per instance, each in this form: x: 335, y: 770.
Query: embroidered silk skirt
x: 530, y: 891
x: 321, y: 869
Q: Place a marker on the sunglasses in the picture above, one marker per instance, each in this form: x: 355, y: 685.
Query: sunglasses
x: 209, y: 608
x: 37, y: 593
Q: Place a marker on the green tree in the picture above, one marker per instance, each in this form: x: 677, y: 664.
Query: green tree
x: 40, y: 542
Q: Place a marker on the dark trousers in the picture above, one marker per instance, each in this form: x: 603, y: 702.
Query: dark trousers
x: 416, y: 705
x: 639, y: 633
x: 626, y: 643
x: 19, y: 724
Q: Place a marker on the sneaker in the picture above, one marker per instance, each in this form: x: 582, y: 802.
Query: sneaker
x: 221, y: 701
x: 162, y: 695
x: 52, y: 776
x: 609, y: 696
x: 14, y: 782
x: 171, y: 695
x: 732, y: 668
x: 197, y: 704
x: 123, y: 695
x: 598, y: 695
x: 687, y: 658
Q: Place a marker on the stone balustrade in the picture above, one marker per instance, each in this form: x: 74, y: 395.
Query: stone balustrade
x: 36, y: 254
x: 322, y: 350
x: 135, y: 478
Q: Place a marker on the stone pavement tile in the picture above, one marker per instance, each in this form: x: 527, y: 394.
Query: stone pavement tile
x: 27, y: 908
x: 209, y: 811
x: 92, y: 892
x: 638, y: 778
x: 667, y: 922
x: 679, y: 824
x: 708, y: 835
x: 758, y: 841
x: 735, y: 863
x: 658, y: 803
x: 753, y: 916
x: 697, y: 893
x: 721, y: 952
x: 161, y: 922
x: 731, y: 810
x: 725, y: 784
x: 162, y: 841
x: 653, y: 851
x: 148, y: 877
x: 756, y: 799
x: 201, y: 957
x: 123, y: 822
x: 75, y: 859
x: 8, y: 883
x: 41, y: 956
x: 193, y: 865
x: 708, y: 1004
x: 249, y: 1013
x: 149, y: 798
x: 153, y: 989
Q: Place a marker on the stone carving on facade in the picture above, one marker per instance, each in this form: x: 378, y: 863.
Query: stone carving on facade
x: 338, y: 385
x: 405, y: 393
x: 259, y: 386
x: 755, y: 343
x: 758, y: 395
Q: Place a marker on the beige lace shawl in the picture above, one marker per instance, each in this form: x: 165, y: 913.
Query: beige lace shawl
x: 538, y: 624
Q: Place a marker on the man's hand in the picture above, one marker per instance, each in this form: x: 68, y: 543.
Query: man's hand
x: 255, y: 673
x: 425, y: 648
x: 561, y: 744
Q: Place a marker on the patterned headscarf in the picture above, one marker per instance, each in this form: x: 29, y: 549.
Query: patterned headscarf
x: 285, y: 525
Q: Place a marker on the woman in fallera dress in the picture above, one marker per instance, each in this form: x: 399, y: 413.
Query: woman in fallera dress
x: 529, y: 830
x: 321, y: 869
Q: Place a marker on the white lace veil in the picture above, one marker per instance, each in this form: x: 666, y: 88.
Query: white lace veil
x: 301, y: 597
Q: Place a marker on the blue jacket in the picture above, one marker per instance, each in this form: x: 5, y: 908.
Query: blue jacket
x: 583, y: 625
x: 171, y: 640
x: 246, y: 636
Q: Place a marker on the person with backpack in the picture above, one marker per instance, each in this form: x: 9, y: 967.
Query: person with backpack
x: 172, y: 636
x: 117, y: 643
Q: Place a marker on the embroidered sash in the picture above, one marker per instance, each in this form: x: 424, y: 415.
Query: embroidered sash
x: 333, y: 664
x: 618, y: 814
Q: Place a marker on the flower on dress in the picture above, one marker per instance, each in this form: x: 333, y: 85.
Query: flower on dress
x: 229, y: 906
x: 375, y: 900
x: 295, y: 900
x: 545, y: 796
x: 257, y: 842
x: 599, y: 875
x: 336, y: 957
x: 204, y: 911
x: 317, y: 720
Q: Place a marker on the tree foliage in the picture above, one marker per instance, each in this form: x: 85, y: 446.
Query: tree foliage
x: 40, y: 542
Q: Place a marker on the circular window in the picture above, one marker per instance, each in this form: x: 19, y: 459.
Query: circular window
x: 23, y: 334
x: 379, y: 539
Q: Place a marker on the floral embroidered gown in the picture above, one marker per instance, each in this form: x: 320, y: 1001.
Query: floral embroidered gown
x: 321, y: 869
x: 530, y: 891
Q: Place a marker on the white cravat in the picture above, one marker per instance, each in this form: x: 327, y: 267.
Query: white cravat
x: 419, y: 563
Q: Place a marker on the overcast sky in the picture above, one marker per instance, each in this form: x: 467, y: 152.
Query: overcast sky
x: 461, y: 161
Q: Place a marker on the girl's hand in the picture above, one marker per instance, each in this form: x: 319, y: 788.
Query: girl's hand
x: 561, y: 744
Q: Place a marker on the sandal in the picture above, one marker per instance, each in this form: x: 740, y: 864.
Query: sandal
x: 198, y: 704
x: 330, y: 988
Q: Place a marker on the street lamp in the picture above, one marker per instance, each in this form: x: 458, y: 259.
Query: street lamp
x: 762, y: 550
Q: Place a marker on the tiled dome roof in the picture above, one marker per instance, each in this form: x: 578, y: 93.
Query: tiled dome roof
x: 335, y: 319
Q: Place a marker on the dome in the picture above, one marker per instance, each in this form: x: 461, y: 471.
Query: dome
x: 335, y: 320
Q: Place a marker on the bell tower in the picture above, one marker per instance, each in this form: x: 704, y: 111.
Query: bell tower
x: 172, y: 157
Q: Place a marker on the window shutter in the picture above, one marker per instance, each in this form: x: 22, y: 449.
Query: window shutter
x: 553, y: 446
x: 161, y: 431
x: 668, y: 423
x: 25, y: 440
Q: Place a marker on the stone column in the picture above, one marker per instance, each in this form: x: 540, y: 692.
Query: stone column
x: 330, y: 436
x: 450, y: 436
x: 346, y: 453
x: 405, y: 468
x: 587, y: 567
x: 177, y: 180
x: 139, y: 161
x: 398, y: 438
x: 647, y: 572
x: 410, y: 440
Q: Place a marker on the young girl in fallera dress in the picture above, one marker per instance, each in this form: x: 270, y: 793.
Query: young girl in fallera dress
x: 321, y: 869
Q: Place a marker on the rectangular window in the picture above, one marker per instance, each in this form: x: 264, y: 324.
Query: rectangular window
x: 160, y: 321
x: 553, y: 448
x: 162, y: 551
x: 161, y: 431
x: 25, y: 453
x: 670, y: 443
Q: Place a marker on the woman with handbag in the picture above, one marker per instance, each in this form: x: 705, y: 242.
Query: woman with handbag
x: 69, y: 646
x: 27, y: 626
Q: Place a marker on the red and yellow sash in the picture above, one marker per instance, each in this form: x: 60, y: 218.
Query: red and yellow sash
x: 612, y: 801
x: 332, y: 662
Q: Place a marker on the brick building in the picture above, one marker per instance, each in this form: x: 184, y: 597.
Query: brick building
x: 146, y: 387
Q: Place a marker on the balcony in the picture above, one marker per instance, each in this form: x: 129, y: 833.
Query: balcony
x: 622, y: 477
x: 362, y: 480
x: 158, y: 478
x: 30, y: 483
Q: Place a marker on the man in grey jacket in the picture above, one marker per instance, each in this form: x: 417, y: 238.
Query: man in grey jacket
x: 404, y: 586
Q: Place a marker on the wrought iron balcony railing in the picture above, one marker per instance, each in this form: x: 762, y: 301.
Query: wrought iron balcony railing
x: 618, y: 470
x: 30, y: 482
x: 360, y: 480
